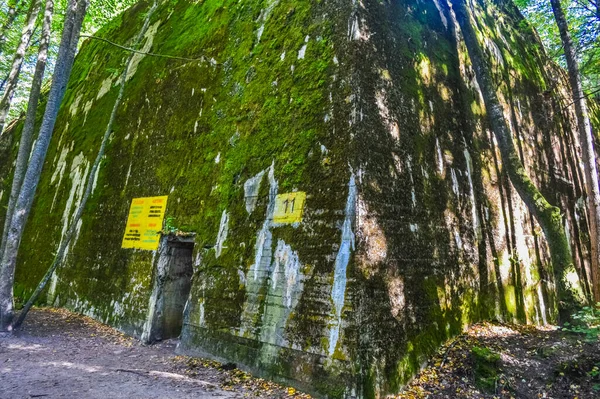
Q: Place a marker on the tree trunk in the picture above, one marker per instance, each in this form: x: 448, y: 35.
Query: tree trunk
x: 13, y: 11
x: 58, y: 259
x: 27, y: 133
x: 62, y: 71
x: 15, y: 70
x: 587, y: 146
x: 548, y: 216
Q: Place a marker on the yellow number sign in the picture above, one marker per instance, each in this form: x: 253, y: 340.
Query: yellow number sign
x: 144, y: 223
x: 289, y: 207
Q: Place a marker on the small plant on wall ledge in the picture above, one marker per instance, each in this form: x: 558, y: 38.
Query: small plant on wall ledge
x: 170, y: 228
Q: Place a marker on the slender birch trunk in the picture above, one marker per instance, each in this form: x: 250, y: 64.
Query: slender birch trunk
x: 15, y: 70
x: 548, y: 216
x: 27, y: 133
x: 587, y: 145
x: 11, y: 15
x: 64, y: 63
x: 58, y: 259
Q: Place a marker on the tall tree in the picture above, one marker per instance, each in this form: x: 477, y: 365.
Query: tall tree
x: 62, y: 70
x: 587, y: 144
x: 15, y: 71
x: 548, y: 216
x: 27, y: 133
x: 583, y: 20
x: 11, y: 14
x: 66, y: 239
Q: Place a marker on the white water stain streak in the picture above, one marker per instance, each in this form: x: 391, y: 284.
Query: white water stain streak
x: 138, y: 57
x: 454, y: 181
x: 79, y: 171
x: 338, y: 290
x: 474, y: 215
x: 283, y: 295
x: 291, y: 269
x: 261, y: 268
x: 222, y: 235
x: 264, y: 238
x: 78, y: 176
x: 264, y: 16
x: 251, y: 189
x: 439, y: 157
x: 105, y: 87
x: 59, y: 171
x: 442, y: 16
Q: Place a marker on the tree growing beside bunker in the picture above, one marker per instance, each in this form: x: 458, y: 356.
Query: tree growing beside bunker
x: 549, y: 217
x: 66, y: 240
x: 14, y: 8
x: 29, y: 124
x: 582, y: 20
x: 66, y: 55
x: 586, y: 139
x: 15, y: 71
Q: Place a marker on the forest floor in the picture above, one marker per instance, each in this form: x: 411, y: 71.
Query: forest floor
x: 59, y: 354
x: 511, y: 361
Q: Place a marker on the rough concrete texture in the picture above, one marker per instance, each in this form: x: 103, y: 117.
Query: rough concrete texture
x: 410, y: 229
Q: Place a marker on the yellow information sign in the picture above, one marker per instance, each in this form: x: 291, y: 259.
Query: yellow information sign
x: 144, y: 223
x: 289, y: 207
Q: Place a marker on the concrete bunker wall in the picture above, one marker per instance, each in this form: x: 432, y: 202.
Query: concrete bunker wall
x: 443, y: 239
x: 409, y: 231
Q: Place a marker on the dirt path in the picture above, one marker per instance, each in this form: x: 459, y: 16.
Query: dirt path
x: 493, y: 361
x: 62, y: 355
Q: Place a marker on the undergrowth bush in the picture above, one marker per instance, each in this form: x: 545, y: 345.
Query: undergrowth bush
x: 585, y: 321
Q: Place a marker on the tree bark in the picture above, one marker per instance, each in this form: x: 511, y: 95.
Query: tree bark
x: 62, y: 71
x: 27, y: 133
x: 548, y: 216
x: 587, y: 145
x: 90, y: 180
x: 15, y: 70
x: 13, y: 11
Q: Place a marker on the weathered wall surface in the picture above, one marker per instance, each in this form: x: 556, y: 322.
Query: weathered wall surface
x: 442, y: 237
x: 410, y: 229
x: 8, y: 150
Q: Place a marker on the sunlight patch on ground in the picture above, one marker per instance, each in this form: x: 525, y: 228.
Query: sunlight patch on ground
x: 486, y: 330
x: 32, y: 348
x: 74, y: 366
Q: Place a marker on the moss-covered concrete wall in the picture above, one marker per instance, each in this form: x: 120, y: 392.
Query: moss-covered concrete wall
x: 443, y: 238
x: 410, y: 229
x: 8, y: 150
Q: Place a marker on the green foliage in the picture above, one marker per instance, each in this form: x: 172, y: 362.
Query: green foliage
x: 100, y: 12
x: 583, y: 19
x: 169, y: 226
x: 585, y: 321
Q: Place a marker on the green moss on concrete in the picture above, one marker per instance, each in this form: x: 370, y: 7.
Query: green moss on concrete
x: 319, y: 106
